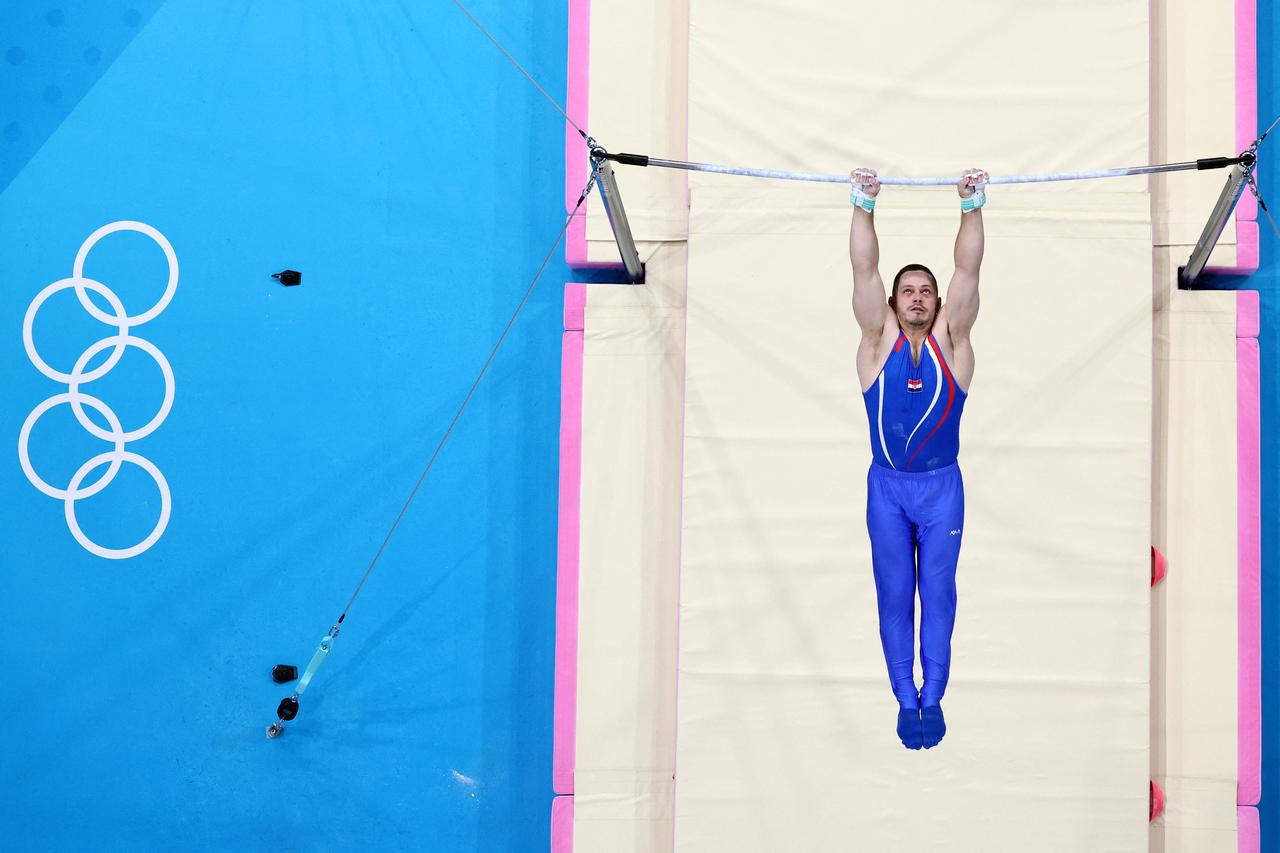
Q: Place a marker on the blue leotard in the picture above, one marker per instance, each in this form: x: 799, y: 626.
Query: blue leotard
x: 914, y: 410
x: 915, y: 514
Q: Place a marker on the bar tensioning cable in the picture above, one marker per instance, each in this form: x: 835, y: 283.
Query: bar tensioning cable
x: 287, y: 710
x: 1246, y: 159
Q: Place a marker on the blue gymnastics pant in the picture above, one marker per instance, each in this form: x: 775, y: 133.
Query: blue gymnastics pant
x: 916, y: 522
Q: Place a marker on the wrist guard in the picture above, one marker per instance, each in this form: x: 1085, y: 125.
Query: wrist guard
x: 975, y: 201
x: 860, y: 199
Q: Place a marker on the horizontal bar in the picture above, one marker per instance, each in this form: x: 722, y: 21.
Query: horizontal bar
x: 813, y: 177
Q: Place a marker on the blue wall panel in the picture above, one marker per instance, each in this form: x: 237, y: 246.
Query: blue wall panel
x: 388, y: 152
x: 391, y: 155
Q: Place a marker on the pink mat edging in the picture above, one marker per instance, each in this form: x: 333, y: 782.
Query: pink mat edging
x: 1246, y: 108
x: 1248, y: 834
x: 562, y: 825
x: 1247, y: 240
x: 575, y: 307
x: 1249, y: 542
x: 575, y: 163
x: 1246, y: 91
x: 576, y: 169
x: 565, y: 713
x: 1246, y: 130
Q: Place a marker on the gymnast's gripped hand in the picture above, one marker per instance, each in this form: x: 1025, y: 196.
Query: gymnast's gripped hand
x: 865, y: 180
x: 970, y: 181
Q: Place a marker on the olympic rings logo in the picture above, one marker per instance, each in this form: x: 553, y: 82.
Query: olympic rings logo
x: 77, y: 399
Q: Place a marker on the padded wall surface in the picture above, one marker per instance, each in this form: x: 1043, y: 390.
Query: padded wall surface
x: 1195, y: 68
x: 633, y: 366
x: 783, y: 694
x: 1194, y: 719
x: 1094, y: 119
x: 633, y: 77
x: 797, y: 88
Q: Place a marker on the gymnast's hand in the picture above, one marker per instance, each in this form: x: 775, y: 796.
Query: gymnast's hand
x: 970, y: 181
x: 865, y: 180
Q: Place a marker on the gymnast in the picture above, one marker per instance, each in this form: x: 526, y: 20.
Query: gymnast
x: 915, y: 363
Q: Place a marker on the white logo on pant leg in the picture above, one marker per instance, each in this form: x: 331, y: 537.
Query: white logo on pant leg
x: 77, y: 399
x: 955, y: 532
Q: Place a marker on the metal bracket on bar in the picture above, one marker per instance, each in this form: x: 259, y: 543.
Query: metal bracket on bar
x: 1240, y: 177
x: 614, y: 210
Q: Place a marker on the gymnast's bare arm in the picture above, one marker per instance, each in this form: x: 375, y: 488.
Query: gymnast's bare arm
x: 960, y: 311
x: 870, y: 305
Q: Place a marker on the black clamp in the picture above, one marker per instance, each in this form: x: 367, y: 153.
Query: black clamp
x: 283, y: 672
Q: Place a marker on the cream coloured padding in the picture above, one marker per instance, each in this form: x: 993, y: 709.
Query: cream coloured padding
x: 925, y: 89
x: 633, y: 367
x: 784, y: 699
x: 786, y: 720
x: 772, y: 84
x: 1194, y: 614
x: 637, y: 103
x: 1193, y: 86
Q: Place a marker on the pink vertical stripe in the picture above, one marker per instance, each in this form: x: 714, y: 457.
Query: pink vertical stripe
x: 566, y: 677
x: 562, y: 825
x: 575, y: 307
x: 1247, y: 254
x: 1249, y: 535
x: 575, y: 160
x: 1246, y: 91
x: 1246, y: 129
x: 575, y: 176
x: 575, y: 245
x: 576, y: 166
x: 1248, y: 836
x: 1248, y: 319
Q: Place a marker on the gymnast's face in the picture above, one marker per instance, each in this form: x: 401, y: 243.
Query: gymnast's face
x: 917, y: 301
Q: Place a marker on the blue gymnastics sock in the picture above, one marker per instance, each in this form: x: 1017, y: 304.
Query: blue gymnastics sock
x: 933, y: 726
x: 909, y: 730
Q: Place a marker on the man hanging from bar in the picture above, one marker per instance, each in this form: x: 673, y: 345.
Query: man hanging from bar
x: 915, y: 363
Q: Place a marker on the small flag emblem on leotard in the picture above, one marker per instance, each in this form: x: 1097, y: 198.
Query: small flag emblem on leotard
x: 915, y: 384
